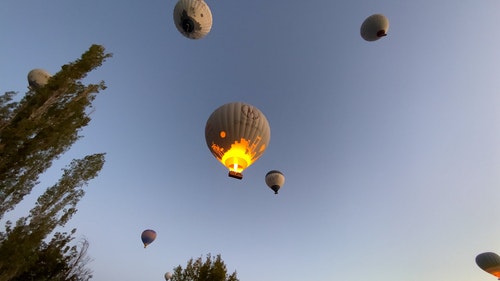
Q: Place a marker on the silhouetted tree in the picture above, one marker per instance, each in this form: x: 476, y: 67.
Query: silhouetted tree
x: 212, y: 269
x: 34, y: 132
x: 57, y: 260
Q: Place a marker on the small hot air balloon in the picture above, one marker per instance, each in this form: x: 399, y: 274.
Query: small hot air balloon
x: 237, y: 134
x: 489, y: 262
x: 148, y: 236
x: 275, y: 180
x: 193, y: 18
x: 38, y: 78
x: 168, y: 276
x: 374, y: 27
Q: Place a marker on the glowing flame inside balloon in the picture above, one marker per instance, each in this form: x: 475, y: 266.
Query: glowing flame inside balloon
x: 238, y: 157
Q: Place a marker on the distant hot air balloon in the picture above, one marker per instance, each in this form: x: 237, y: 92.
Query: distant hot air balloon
x: 275, y: 180
x: 193, y: 18
x: 38, y: 78
x: 489, y: 262
x: 374, y: 27
x: 148, y: 236
x: 168, y: 276
x: 237, y: 134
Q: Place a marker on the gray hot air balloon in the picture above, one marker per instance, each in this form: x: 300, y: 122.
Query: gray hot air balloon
x: 38, y: 78
x: 275, y: 180
x: 168, y: 276
x: 489, y: 262
x: 237, y: 134
x: 193, y: 18
x: 374, y: 27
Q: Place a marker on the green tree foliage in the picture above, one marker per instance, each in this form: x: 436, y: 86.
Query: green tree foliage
x: 43, y: 125
x: 212, y: 269
x: 34, y: 132
x: 57, y: 260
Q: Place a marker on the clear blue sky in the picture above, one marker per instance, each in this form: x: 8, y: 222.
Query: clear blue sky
x: 391, y: 149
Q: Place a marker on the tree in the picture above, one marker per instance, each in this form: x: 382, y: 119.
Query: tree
x: 54, y: 264
x: 209, y: 270
x: 33, y: 133
x: 43, y: 125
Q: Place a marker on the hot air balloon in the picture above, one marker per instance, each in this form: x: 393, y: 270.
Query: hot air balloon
x: 193, y: 18
x: 374, y: 27
x: 237, y: 134
x: 168, y: 276
x: 148, y: 236
x: 38, y: 78
x: 275, y: 180
x: 489, y: 262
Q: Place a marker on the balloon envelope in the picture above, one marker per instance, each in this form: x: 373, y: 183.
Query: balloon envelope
x: 275, y: 180
x: 374, y: 27
x: 237, y: 134
x: 489, y: 262
x: 193, y: 18
x: 148, y: 236
x: 38, y: 78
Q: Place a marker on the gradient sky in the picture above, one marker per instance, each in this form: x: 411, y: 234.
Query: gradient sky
x: 391, y: 149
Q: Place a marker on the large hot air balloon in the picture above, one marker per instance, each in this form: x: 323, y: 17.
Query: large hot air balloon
x: 193, y: 18
x: 168, y: 276
x: 148, y: 236
x: 275, y: 180
x: 489, y: 262
x: 237, y: 134
x: 374, y: 27
x: 38, y: 78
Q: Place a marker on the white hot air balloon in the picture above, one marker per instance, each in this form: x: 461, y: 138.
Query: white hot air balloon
x: 275, y: 180
x: 237, y: 134
x: 193, y: 18
x: 374, y: 27
x: 168, y: 276
x: 38, y: 78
